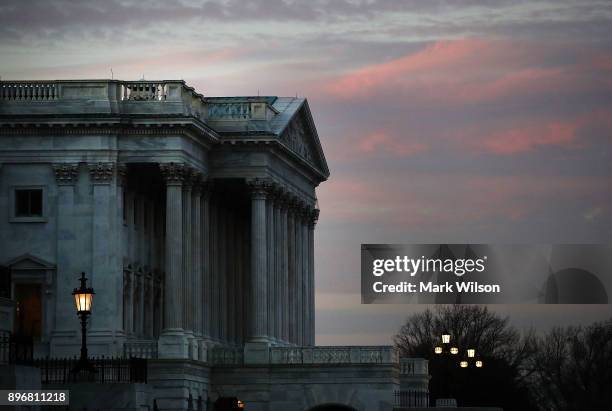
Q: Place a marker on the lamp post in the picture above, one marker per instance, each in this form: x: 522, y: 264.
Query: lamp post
x: 83, y: 300
x: 447, y: 350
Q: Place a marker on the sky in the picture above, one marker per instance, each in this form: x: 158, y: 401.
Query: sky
x: 442, y: 122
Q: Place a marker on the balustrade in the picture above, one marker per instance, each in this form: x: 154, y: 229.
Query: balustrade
x: 28, y: 91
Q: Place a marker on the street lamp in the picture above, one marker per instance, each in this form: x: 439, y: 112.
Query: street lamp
x: 83, y: 300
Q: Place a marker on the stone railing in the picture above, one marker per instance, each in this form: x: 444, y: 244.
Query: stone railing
x: 140, y: 349
x: 143, y: 90
x: 226, y: 356
x: 28, y: 91
x: 171, y: 97
x: 414, y: 366
x: 334, y: 355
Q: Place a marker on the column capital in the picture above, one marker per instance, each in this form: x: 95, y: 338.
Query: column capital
x: 260, y: 188
x: 101, y: 173
x: 66, y: 173
x: 314, y: 217
x: 173, y: 173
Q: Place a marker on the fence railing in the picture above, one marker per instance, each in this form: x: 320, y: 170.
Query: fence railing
x: 15, y: 349
x: 334, y: 355
x: 414, y: 366
x: 108, y: 370
x: 411, y: 399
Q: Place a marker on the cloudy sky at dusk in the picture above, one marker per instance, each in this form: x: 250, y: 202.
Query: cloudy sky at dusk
x: 441, y: 121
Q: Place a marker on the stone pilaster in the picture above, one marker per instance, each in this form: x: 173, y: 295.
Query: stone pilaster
x: 172, y: 343
x: 106, y: 265
x: 68, y: 264
x: 258, y: 287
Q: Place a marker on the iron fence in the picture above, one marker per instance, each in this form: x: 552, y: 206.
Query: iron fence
x: 411, y: 398
x: 108, y: 370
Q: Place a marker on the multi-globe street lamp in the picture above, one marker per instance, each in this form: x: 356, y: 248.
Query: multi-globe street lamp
x: 447, y: 351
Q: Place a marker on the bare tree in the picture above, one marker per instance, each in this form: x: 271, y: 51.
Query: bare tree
x: 506, y: 353
x: 572, y: 368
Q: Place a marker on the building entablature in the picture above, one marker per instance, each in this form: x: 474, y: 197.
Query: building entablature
x: 283, y: 125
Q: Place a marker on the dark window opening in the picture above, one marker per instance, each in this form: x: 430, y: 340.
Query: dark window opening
x: 29, y: 203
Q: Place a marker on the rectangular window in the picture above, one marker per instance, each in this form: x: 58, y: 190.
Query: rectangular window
x: 29, y: 202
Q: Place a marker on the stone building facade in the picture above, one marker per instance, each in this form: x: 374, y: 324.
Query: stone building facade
x: 193, y: 218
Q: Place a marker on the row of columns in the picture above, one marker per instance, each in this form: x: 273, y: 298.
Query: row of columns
x: 282, y: 264
x: 229, y: 281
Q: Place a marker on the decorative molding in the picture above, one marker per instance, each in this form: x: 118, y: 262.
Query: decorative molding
x: 101, y: 173
x: 260, y: 187
x: 173, y: 173
x: 314, y: 217
x: 66, y: 173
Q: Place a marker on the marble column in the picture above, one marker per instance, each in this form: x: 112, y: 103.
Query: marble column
x: 222, y: 226
x: 314, y: 216
x: 231, y: 278
x: 270, y: 265
x: 277, y: 271
x: 258, y: 287
x: 305, y: 279
x: 299, y: 276
x: 291, y: 270
x: 171, y: 342
x: 196, y: 257
x: 206, y: 263
x: 214, y: 256
x: 186, y: 284
x: 284, y: 244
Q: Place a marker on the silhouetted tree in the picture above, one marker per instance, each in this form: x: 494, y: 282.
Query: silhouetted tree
x: 503, y: 379
x: 572, y: 368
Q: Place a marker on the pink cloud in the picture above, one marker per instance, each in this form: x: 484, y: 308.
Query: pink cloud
x: 383, y: 142
x: 470, y: 71
x: 521, y: 140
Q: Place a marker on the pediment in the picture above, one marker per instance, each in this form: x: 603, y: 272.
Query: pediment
x: 29, y: 262
x: 300, y: 136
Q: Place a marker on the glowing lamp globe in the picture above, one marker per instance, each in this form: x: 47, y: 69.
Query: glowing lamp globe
x: 438, y: 350
x: 463, y: 364
x: 454, y: 350
x: 83, y: 297
x: 479, y: 364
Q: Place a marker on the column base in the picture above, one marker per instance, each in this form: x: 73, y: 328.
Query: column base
x: 257, y: 353
x: 173, y: 343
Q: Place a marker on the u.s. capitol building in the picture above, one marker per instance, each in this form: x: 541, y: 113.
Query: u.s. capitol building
x: 193, y: 218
